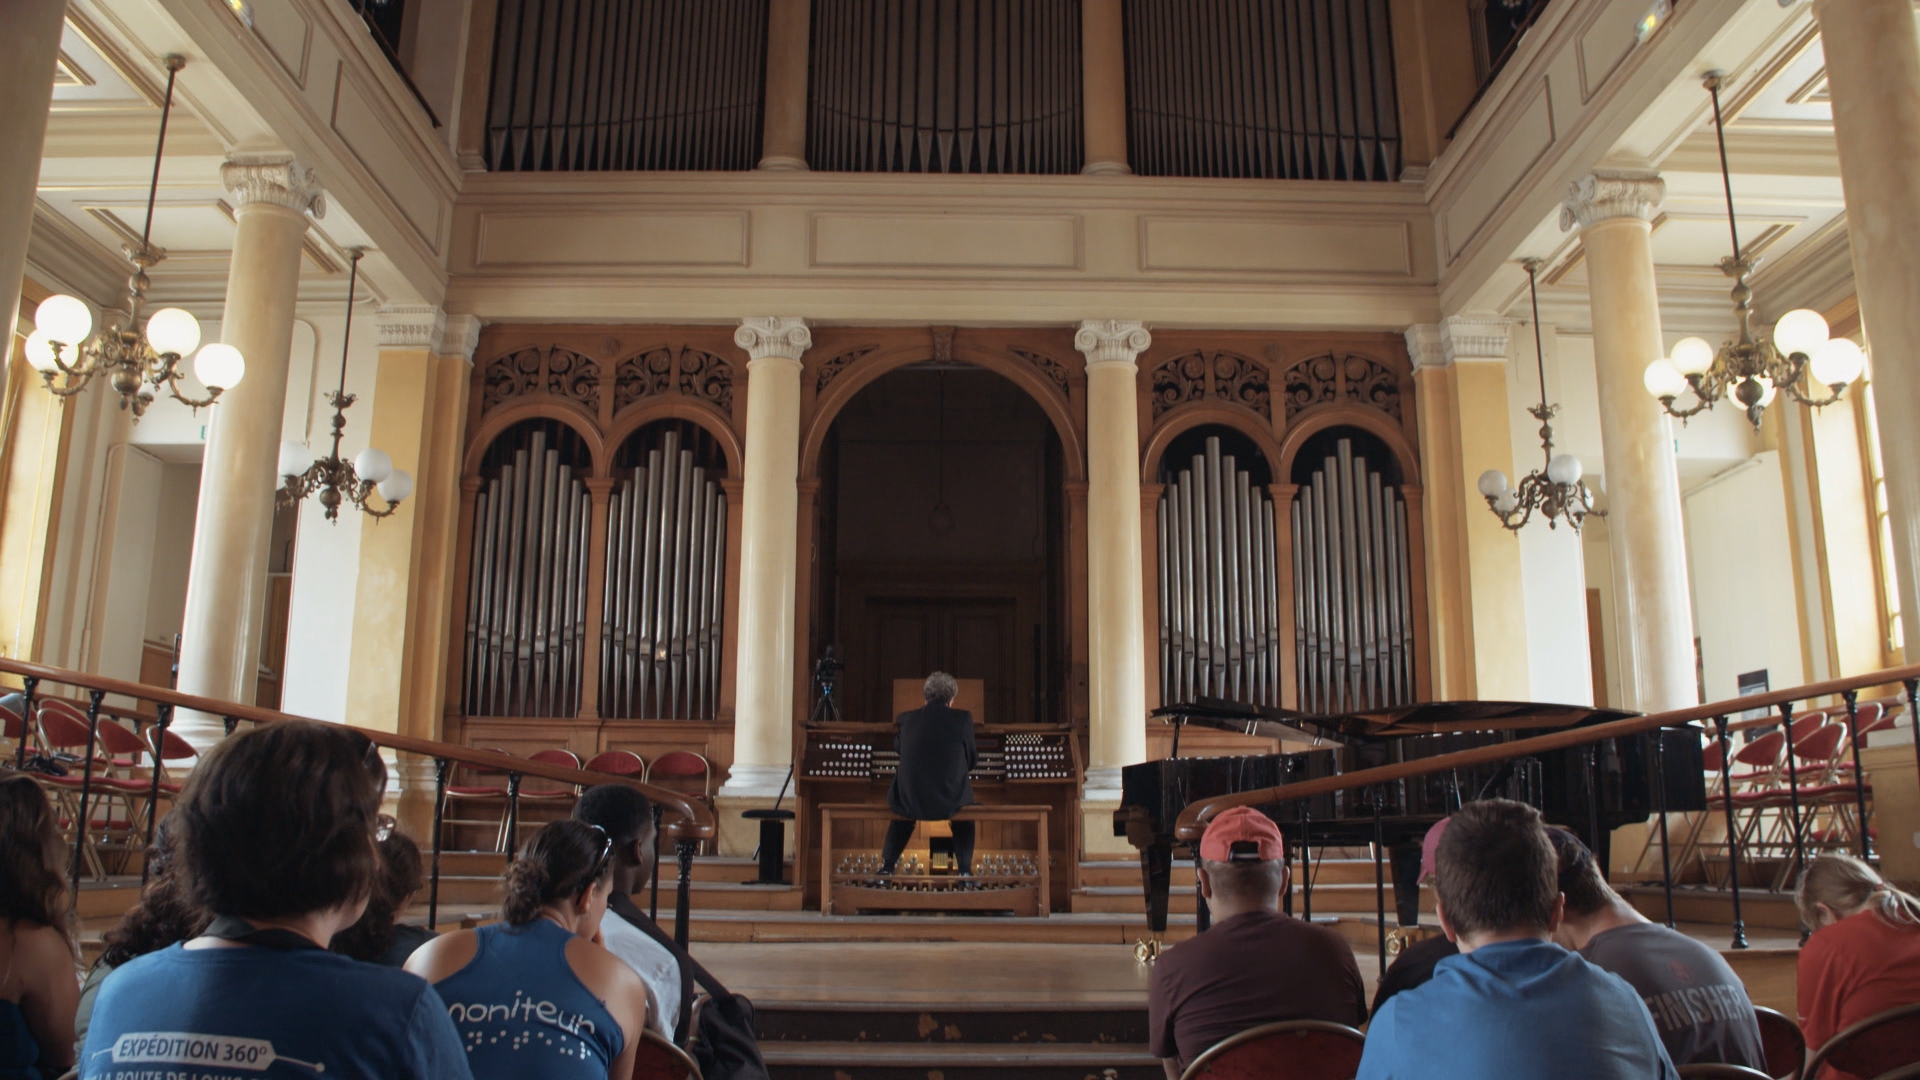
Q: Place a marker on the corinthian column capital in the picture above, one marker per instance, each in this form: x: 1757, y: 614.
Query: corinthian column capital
x: 782, y: 336
x: 1604, y: 194
x: 1112, y: 341
x: 279, y: 180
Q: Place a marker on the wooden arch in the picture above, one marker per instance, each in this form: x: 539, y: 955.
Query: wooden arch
x: 846, y: 385
x: 481, y: 439
x: 1372, y: 421
x: 642, y: 413
x: 1202, y: 414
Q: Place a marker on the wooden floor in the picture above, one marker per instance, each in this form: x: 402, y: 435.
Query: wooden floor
x: 860, y: 975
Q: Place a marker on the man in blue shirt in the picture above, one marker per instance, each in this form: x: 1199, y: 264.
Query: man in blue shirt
x: 1512, y: 1004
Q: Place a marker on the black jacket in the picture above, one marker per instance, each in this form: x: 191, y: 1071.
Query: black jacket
x: 936, y: 754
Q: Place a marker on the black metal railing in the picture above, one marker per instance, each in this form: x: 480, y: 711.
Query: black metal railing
x: 1193, y: 819
x: 685, y: 820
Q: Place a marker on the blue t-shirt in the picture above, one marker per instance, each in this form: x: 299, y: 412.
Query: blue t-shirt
x: 1517, y: 1010
x: 523, y: 1013
x: 267, y: 1014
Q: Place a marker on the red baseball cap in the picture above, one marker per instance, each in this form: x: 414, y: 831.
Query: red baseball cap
x: 1242, y: 823
x: 1430, y: 847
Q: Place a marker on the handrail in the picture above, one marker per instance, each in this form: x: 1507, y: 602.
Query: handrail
x: 1192, y: 821
x: 695, y: 821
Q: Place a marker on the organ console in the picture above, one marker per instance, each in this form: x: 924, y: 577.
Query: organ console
x: 1590, y: 789
x: 1018, y: 765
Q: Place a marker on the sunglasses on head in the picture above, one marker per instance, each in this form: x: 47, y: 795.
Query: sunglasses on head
x: 606, y: 856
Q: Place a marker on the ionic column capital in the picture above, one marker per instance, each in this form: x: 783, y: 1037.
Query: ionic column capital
x: 1474, y: 337
x: 1112, y: 341
x: 774, y: 336
x: 279, y: 180
x: 1605, y: 194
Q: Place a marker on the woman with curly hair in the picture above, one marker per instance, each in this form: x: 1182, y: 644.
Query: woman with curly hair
x: 534, y: 997
x: 37, y: 985
x: 275, y: 840
x: 164, y: 916
x: 380, y: 937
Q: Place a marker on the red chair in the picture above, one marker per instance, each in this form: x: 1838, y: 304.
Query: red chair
x: 618, y: 763
x: 477, y: 795
x: 1782, y: 1041
x: 675, y: 770
x: 658, y: 1059
x: 1747, y: 793
x: 538, y: 791
x: 1882, y: 1043
x: 1288, y: 1050
x: 12, y: 730
x: 66, y: 731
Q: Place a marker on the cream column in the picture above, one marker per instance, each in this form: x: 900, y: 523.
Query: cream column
x: 1873, y: 75
x: 29, y: 51
x: 1613, y: 208
x: 769, y: 549
x: 783, y: 135
x: 227, y: 585
x: 1103, y: 74
x: 1116, y: 625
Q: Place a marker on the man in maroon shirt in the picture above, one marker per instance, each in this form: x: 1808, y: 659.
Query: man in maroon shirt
x: 1254, y: 966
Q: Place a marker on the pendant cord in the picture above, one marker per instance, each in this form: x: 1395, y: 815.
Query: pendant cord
x: 1726, y: 173
x: 1539, y: 352
x: 346, y: 342
x: 159, y: 148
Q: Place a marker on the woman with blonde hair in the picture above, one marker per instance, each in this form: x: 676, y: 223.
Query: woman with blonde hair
x: 1864, y: 955
x: 38, y: 988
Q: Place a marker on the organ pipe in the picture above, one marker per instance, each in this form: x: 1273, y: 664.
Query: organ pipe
x: 1219, y: 629
x: 527, y: 594
x: 1353, y: 601
x: 666, y: 561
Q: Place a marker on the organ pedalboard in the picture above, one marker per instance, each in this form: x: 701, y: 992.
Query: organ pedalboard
x: 1019, y: 756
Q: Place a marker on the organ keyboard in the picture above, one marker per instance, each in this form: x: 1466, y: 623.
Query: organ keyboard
x: 1397, y: 815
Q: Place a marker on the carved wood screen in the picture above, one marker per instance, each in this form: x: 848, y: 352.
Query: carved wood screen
x: 627, y: 84
x: 1267, y: 89
x: 618, y: 524
x: 1241, y: 423
x: 955, y: 86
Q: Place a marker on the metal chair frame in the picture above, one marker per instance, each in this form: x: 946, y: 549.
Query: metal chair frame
x: 1199, y: 1066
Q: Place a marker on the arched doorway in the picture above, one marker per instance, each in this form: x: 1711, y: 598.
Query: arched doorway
x: 941, y: 542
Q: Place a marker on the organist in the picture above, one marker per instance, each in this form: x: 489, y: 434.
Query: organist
x: 937, y: 751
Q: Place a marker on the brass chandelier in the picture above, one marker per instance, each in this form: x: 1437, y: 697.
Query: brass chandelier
x: 68, y: 355
x: 1556, y: 492
x: 335, y: 479
x: 1751, y: 371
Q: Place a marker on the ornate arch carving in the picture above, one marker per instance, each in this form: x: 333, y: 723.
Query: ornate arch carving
x: 1211, y: 375
x: 1343, y: 377
x: 537, y: 370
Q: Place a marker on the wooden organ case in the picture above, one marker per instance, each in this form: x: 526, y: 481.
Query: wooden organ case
x: 1018, y: 765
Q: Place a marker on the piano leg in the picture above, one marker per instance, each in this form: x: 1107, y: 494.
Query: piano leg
x: 1156, y: 873
x: 1406, y: 881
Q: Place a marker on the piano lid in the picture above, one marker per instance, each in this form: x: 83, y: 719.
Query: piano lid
x: 1426, y: 718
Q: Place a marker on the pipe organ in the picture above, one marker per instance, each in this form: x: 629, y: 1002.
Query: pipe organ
x: 527, y: 593
x: 1353, y: 597
x: 665, y: 588
x: 1219, y: 598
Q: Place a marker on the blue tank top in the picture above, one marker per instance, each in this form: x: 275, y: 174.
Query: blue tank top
x: 522, y: 1012
x: 18, y: 1048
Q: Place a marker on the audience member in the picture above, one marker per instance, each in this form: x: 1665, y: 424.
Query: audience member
x: 534, y: 997
x: 164, y: 916
x: 1864, y: 955
x: 1415, y: 963
x: 626, y: 931
x: 1512, y: 1004
x: 37, y: 987
x: 1226, y: 980
x: 380, y: 937
x: 1699, y: 1005
x: 275, y: 835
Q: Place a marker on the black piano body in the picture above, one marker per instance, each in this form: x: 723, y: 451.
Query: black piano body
x: 1397, y: 815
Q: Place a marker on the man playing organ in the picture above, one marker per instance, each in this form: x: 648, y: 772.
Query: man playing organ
x: 937, y: 752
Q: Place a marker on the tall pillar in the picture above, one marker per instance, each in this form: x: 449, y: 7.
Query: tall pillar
x: 1613, y: 208
x: 1873, y: 74
x: 1115, y: 582
x: 29, y: 51
x: 1103, y: 74
x: 769, y: 573
x: 783, y: 129
x: 227, y: 584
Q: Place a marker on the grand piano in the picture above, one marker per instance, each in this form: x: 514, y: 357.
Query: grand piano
x: 1397, y: 815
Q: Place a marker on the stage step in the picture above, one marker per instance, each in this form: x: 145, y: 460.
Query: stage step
x: 1328, y: 898
x: 1759, y: 908
x: 896, y: 1042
